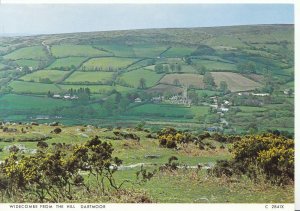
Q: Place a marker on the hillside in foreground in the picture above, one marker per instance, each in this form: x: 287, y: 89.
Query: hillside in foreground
x: 57, y: 163
x: 223, y: 79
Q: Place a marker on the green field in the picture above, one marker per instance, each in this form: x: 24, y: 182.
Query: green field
x: 76, y: 50
x: 250, y: 109
x: 215, y: 65
x: 97, y: 88
x: 31, y: 87
x: 67, y: 62
x: 13, y: 102
x: 133, y: 77
x: 52, y: 75
x: 2, y: 66
x: 108, y: 63
x: 92, y: 77
x: 148, y: 50
x: 178, y: 52
x: 34, y: 52
x: 118, y: 49
x: 27, y: 62
x: 168, y: 110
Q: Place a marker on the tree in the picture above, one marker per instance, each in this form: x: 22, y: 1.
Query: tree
x: 188, y: 60
x: 179, y: 68
x: 208, y: 79
x: 26, y: 69
x: 201, y: 69
x: 159, y: 68
x: 194, y: 97
x: 223, y: 86
x: 172, y: 66
x: 49, y: 94
x: 290, y: 92
x: 246, y: 67
x: 142, y: 83
x: 176, y: 82
x: 166, y: 68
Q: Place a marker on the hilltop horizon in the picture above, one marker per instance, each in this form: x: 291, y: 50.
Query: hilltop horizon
x: 141, y: 29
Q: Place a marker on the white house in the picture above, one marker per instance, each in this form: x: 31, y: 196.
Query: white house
x: 56, y: 96
x: 67, y: 96
x: 224, y: 109
x: 260, y: 94
x: 138, y: 100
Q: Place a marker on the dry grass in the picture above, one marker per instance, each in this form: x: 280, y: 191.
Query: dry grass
x: 236, y: 82
x: 184, y: 79
x: 163, y: 88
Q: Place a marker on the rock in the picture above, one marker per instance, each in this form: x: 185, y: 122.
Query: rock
x: 9, y: 130
x: 34, y: 123
x: 53, y: 124
x: 152, y: 156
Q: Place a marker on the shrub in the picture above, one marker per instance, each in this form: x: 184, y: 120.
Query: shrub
x: 268, y: 154
x: 57, y: 130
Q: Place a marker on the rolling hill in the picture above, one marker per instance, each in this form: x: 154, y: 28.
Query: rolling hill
x: 123, y: 75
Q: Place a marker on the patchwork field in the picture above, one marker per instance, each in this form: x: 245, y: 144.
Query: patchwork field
x: 67, y: 62
x: 133, y: 77
x: 183, y: 79
x: 92, y: 77
x: 34, y: 52
x: 236, y: 82
x: 108, y: 63
x: 76, y: 50
x: 39, y: 76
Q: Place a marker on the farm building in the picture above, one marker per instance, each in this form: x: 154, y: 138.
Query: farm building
x: 138, y: 100
x: 56, y: 96
x: 260, y: 94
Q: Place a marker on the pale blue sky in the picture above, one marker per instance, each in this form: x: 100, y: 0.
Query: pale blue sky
x: 45, y: 19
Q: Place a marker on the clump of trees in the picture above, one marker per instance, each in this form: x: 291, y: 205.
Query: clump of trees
x: 209, y: 81
x: 165, y: 68
x: 203, y: 50
x: 246, y: 67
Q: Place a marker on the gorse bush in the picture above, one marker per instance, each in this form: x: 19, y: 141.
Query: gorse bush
x: 53, y: 173
x: 170, y: 137
x: 268, y: 154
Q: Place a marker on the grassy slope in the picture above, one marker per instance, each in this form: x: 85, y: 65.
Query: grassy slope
x: 76, y: 50
x: 34, y: 52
